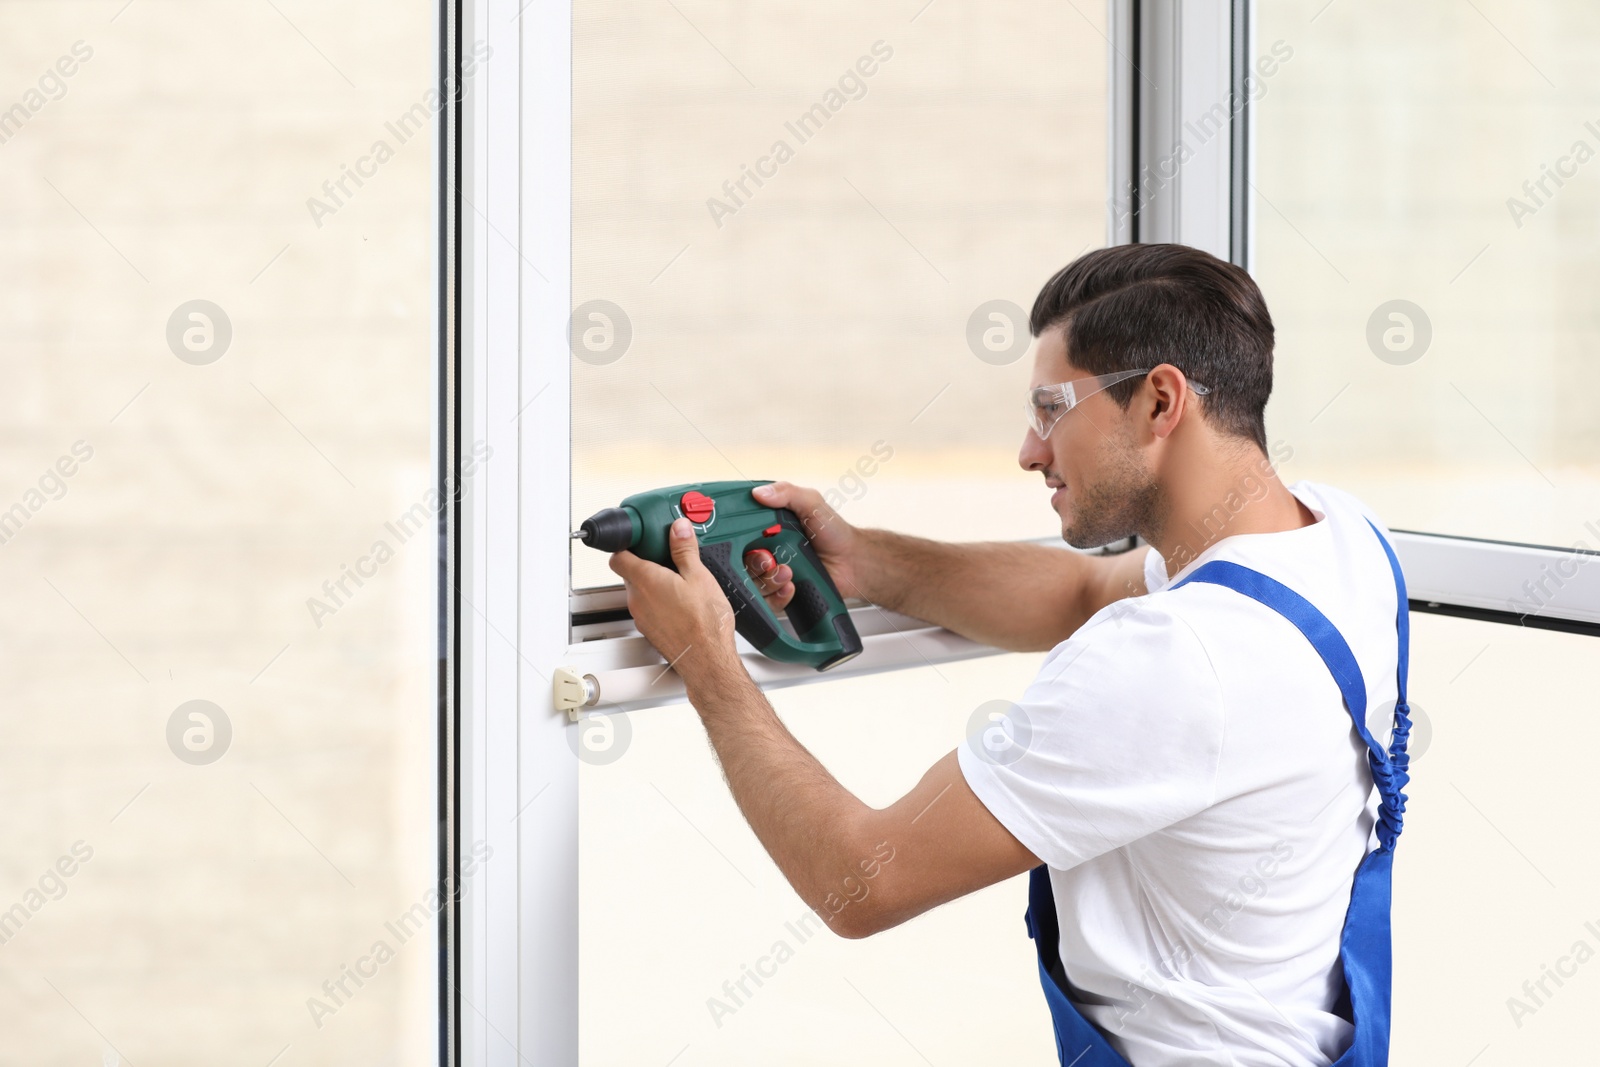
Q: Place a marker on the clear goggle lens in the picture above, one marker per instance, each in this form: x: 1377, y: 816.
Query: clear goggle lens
x: 1048, y: 403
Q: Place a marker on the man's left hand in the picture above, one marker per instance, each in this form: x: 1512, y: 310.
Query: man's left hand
x: 684, y: 615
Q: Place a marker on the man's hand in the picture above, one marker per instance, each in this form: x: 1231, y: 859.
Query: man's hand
x: 836, y: 542
x: 684, y: 615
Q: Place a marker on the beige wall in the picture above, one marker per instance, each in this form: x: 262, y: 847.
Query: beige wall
x: 219, y: 497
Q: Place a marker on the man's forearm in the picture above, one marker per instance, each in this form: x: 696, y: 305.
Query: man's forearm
x: 1013, y: 595
x: 814, y: 829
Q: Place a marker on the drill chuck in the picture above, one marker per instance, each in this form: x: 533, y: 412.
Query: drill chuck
x: 610, y: 529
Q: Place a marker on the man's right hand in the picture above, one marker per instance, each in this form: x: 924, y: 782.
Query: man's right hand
x: 836, y: 542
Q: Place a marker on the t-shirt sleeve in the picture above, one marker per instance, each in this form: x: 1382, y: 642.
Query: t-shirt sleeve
x: 1118, y: 736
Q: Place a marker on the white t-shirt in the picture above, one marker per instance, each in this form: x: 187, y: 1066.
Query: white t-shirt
x: 1188, y: 771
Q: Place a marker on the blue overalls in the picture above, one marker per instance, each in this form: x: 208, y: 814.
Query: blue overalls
x: 1364, y: 946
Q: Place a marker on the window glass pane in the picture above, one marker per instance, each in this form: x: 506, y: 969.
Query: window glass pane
x: 220, y: 791
x: 960, y: 984
x: 681, y: 904
x: 1426, y: 204
x: 788, y: 218
x: 1490, y: 885
x: 804, y: 211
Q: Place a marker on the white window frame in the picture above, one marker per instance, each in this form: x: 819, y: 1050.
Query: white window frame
x: 515, y: 618
x: 517, y: 990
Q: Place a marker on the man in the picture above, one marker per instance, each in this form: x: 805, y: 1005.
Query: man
x: 1190, y: 772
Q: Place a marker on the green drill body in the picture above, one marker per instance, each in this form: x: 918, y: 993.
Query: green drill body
x: 728, y: 523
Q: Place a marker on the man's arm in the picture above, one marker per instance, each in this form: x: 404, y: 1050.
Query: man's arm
x: 862, y: 869
x: 1014, y: 595
x: 1017, y: 596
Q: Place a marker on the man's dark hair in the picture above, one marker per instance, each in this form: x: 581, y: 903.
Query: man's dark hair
x: 1135, y: 306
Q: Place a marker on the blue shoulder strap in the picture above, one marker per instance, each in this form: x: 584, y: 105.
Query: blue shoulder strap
x: 1390, y: 770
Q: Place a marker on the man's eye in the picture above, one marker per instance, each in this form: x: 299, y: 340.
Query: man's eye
x: 1049, y: 409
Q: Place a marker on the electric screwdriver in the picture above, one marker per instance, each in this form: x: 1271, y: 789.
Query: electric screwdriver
x: 732, y: 527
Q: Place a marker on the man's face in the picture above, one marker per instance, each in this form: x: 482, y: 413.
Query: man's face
x: 1106, y: 492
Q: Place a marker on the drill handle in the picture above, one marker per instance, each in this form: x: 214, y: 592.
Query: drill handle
x: 825, y: 634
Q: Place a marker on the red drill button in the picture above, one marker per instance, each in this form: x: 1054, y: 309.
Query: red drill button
x: 760, y: 560
x: 775, y: 528
x: 697, y: 507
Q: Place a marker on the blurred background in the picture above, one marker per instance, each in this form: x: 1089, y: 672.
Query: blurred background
x: 781, y: 329
x: 235, y: 456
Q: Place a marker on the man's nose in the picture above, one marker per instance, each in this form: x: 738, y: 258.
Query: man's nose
x: 1035, y: 454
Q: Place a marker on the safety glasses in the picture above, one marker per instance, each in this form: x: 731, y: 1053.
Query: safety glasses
x: 1048, y: 403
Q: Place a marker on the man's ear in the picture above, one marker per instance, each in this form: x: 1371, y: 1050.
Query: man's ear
x: 1167, y: 398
